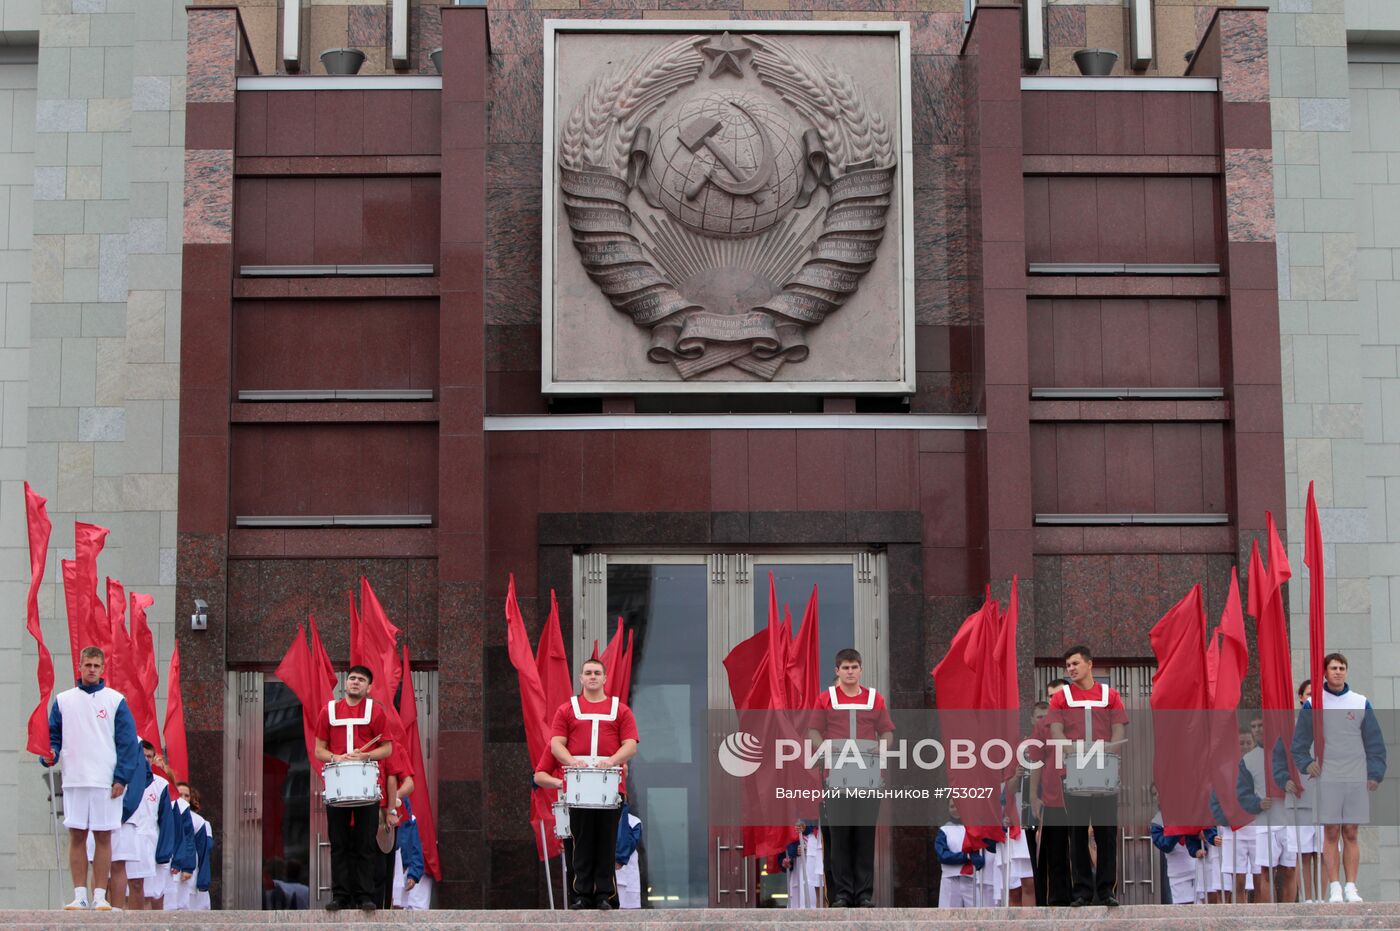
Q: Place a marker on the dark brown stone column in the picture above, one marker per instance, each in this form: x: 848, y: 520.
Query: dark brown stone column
x: 461, y: 516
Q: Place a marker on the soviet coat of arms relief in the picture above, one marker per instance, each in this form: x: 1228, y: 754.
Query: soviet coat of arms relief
x: 721, y: 199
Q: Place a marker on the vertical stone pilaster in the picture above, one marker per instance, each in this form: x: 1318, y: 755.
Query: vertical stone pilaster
x: 461, y: 516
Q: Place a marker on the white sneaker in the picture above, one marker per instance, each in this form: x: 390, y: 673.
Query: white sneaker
x: 1334, y: 893
x: 1351, y: 894
x: 77, y: 905
x: 102, y: 905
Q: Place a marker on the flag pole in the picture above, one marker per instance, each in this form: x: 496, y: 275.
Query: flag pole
x: 564, y: 875
x: 548, y: 882
x: 53, y: 810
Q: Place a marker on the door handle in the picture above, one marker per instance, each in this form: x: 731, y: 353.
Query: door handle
x: 719, y: 872
x: 744, y: 869
x: 319, y: 845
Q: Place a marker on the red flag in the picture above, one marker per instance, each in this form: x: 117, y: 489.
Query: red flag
x: 1180, y: 699
x: 1005, y: 677
x: 421, y: 799
x: 379, y: 645
x: 298, y: 671
x: 805, y: 674
x: 119, y: 673
x: 177, y: 752
x: 143, y: 664
x: 612, y: 660
x: 1224, y: 754
x: 87, y: 620
x: 552, y: 661
x: 532, y: 706
x: 963, y: 691
x: 741, y: 666
x: 1317, y: 617
x: 624, y: 670
x: 1275, y: 656
x: 325, y: 670
x: 37, y: 518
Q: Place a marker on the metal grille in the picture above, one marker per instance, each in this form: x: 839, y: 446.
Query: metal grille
x: 1138, y: 863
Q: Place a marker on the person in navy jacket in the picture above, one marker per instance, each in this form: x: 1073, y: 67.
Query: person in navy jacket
x: 93, y: 735
x: 1183, y: 851
x: 412, y: 884
x: 1353, y: 765
x: 958, y: 886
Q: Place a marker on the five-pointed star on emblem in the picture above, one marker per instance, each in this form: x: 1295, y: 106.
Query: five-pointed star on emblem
x: 725, y: 54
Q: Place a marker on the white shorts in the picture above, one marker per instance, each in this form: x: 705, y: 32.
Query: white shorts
x: 86, y: 808
x: 1343, y: 803
x: 1212, y: 869
x: 1238, y: 852
x: 144, y: 866
x: 1303, y: 838
x: 157, y: 881
x: 177, y: 893
x: 1273, y: 849
x: 127, y: 845
x: 1184, y: 889
x: 199, y: 901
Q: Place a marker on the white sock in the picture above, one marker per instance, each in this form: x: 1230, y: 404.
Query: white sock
x: 99, y: 895
x: 80, y: 893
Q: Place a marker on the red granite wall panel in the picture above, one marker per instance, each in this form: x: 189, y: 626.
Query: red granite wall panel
x: 1124, y: 123
x: 327, y: 221
x: 1121, y: 218
x: 1129, y: 343
x: 357, y: 469
x: 335, y: 344
x: 338, y: 123
x: 1128, y: 467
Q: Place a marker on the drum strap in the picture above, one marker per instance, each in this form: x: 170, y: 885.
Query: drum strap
x: 839, y: 705
x: 1088, y: 704
x: 349, y: 723
x: 595, y: 719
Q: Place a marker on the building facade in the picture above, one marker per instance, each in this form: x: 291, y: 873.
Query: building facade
x: 279, y: 330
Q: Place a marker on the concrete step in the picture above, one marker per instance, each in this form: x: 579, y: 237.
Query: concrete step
x: 1381, y: 915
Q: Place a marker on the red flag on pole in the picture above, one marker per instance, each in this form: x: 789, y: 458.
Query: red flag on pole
x: 1275, y: 655
x: 177, y: 752
x: 379, y: 645
x: 552, y: 661
x: 143, y: 664
x: 421, y: 799
x: 1233, y: 663
x: 1180, y: 699
x: 964, y: 692
x: 741, y: 666
x: 298, y: 671
x: 325, y: 670
x: 37, y: 518
x: 87, y: 620
x: 1317, y: 617
x: 612, y: 660
x: 624, y: 670
x: 119, y: 672
x: 527, y: 674
x: 805, y: 674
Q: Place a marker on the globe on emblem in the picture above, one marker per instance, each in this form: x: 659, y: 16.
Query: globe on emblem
x: 726, y: 165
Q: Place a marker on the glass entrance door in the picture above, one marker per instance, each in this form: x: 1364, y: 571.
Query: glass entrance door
x: 686, y: 612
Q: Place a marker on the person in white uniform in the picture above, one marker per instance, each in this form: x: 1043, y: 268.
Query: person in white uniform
x: 1186, y: 861
x: 413, y: 887
x: 93, y: 735
x: 629, y: 874
x: 1300, y: 825
x: 805, y: 867
x: 1353, y: 765
x: 958, y: 886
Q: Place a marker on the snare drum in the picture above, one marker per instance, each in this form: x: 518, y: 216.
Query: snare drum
x: 351, y: 783
x: 848, y: 772
x: 1087, y: 775
x: 590, y: 787
x: 561, y: 821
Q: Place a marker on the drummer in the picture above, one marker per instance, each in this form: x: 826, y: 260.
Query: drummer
x: 1092, y: 884
x: 593, y: 729
x: 345, y: 729
x: 845, y: 711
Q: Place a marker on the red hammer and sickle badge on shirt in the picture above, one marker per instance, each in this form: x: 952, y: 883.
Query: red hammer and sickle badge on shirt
x: 102, y: 712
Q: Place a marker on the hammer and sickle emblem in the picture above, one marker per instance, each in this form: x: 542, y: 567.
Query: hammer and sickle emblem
x: 699, y: 133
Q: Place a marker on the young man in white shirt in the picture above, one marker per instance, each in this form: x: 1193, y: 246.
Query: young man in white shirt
x: 93, y: 735
x: 1353, y: 765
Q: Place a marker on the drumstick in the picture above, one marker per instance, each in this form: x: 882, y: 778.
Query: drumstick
x: 372, y: 741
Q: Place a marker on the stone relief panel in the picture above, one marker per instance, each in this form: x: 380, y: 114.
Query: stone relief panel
x: 727, y: 208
